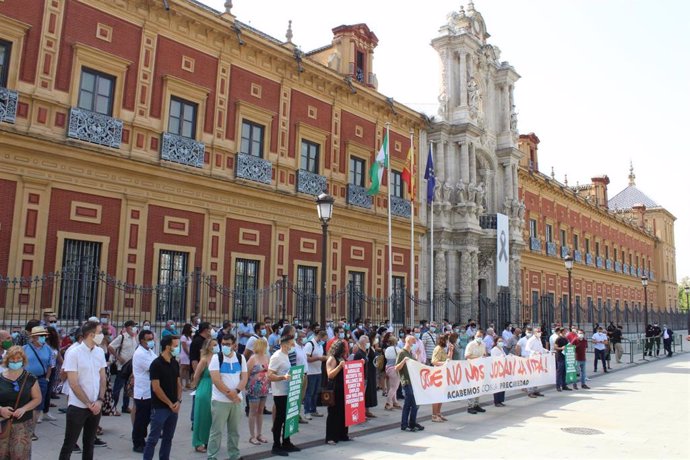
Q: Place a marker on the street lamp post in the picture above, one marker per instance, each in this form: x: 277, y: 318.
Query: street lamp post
x: 645, y: 281
x: 324, y: 208
x: 687, y: 305
x: 569, y: 266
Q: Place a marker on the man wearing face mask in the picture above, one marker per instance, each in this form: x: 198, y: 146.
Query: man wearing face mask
x: 279, y: 375
x: 122, y: 349
x: 85, y: 368
x: 559, y: 346
x: 169, y: 329
x: 39, y: 354
x: 429, y: 342
x: 656, y: 330
x: 166, y: 398
x: 666, y: 334
x: 580, y: 343
x: 314, y: 350
x: 410, y: 407
x: 363, y: 353
x: 600, y: 340
x: 475, y: 349
x: 498, y: 352
x: 244, y: 331
x: 339, y: 334
x: 534, y: 346
x: 108, y: 328
x: 141, y: 362
x: 229, y: 378
x: 471, y: 329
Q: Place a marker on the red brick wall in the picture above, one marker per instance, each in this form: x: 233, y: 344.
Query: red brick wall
x: 8, y: 191
x: 299, y: 106
x: 348, y: 124
x: 17, y: 9
x: 80, y: 27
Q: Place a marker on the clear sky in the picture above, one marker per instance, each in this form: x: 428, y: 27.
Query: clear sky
x: 604, y: 82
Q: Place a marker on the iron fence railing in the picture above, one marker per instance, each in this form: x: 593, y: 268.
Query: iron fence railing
x: 94, y: 293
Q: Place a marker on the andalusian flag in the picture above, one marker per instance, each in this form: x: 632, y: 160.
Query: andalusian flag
x: 378, y: 167
x: 408, y: 172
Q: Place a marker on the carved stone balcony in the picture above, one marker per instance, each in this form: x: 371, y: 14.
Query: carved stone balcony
x: 8, y: 105
x: 488, y: 222
x: 550, y: 248
x: 400, y: 207
x: 310, y: 183
x: 94, y: 127
x: 357, y: 196
x: 182, y: 150
x: 253, y: 168
x: 535, y: 244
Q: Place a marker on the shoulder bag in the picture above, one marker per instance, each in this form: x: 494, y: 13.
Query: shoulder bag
x: 6, y: 425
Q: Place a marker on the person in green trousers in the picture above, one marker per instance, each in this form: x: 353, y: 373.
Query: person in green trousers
x: 202, y: 403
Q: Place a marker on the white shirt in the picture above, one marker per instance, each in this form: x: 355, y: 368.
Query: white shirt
x: 475, y: 350
x: 470, y: 331
x: 488, y: 342
x: 506, y: 334
x: 666, y: 334
x: 129, y: 344
x: 141, y: 362
x: 280, y: 364
x: 301, y: 356
x: 329, y: 331
x: 391, y: 355
x: 248, y: 329
x: 522, y: 343
x: 552, y: 340
x: 250, y: 342
x: 230, y: 372
x: 87, y: 363
x: 599, y: 337
x: 534, y: 346
x: 497, y: 352
x: 313, y: 349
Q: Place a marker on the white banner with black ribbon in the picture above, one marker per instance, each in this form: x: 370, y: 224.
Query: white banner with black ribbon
x: 502, y: 250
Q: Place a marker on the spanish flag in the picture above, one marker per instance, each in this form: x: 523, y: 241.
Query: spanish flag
x: 408, y: 172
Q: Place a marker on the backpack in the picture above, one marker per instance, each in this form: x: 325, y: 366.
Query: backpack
x: 126, y: 370
x: 220, y: 358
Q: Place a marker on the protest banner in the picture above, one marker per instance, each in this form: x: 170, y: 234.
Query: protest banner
x: 570, y: 367
x: 457, y: 380
x: 294, y: 400
x: 354, y: 392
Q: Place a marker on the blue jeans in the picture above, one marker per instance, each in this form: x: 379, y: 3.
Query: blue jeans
x: 313, y: 385
x: 117, y: 388
x: 410, y: 407
x: 583, y: 373
x: 560, y: 373
x: 163, y: 423
x: 45, y: 393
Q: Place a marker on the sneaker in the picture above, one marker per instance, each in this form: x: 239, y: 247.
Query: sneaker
x: 413, y: 429
x: 279, y: 451
x: 404, y: 428
x: 40, y: 418
x: 567, y: 389
x: 531, y: 395
x: 62, y: 410
x: 49, y: 416
x: 480, y: 409
x: 471, y: 410
x: 575, y: 387
x: 307, y: 416
x: 419, y: 427
x: 77, y: 450
x: 291, y: 448
x: 316, y: 414
x: 585, y: 387
x: 302, y: 420
x: 34, y: 437
x: 138, y: 449
x: 100, y: 443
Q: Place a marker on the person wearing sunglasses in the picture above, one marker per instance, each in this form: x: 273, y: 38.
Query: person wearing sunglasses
x: 19, y: 396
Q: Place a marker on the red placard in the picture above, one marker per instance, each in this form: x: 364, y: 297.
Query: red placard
x: 354, y: 392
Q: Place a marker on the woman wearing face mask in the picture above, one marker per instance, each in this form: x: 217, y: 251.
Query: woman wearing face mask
x: 439, y: 358
x: 391, y: 355
x: 185, y: 364
x: 20, y: 394
x: 336, y: 430
x: 366, y: 354
x: 257, y: 390
x: 456, y: 352
x: 498, y: 352
x: 202, y: 397
x: 39, y: 356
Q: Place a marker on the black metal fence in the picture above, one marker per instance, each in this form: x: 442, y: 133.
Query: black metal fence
x: 75, y: 296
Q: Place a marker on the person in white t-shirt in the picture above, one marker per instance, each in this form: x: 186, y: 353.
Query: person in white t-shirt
x: 315, y: 358
x: 141, y: 362
x: 85, y: 368
x: 229, y: 379
x: 533, y: 347
x: 279, y: 375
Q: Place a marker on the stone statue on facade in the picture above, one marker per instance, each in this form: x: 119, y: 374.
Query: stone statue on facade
x: 460, y: 192
x: 473, y: 96
x: 471, y: 193
x: 480, y: 194
x: 447, y: 192
x: 513, y: 120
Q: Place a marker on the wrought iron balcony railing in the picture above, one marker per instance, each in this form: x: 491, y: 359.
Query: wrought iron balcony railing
x: 94, y: 127
x: 253, y: 168
x: 600, y: 262
x: 577, y: 255
x: 488, y: 221
x: 626, y: 269
x: 535, y: 244
x: 357, y: 196
x: 564, y: 252
x: 550, y: 248
x: 8, y: 105
x: 633, y: 270
x: 609, y: 264
x: 182, y: 150
x: 588, y: 259
x: 400, y: 207
x: 310, y: 183
x: 618, y: 267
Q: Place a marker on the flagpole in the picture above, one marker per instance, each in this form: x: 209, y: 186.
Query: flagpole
x: 412, y: 197
x: 431, y: 264
x: 390, y: 228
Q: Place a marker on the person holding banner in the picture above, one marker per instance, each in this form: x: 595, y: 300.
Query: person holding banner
x: 279, y: 375
x: 534, y: 346
x: 499, y: 352
x: 336, y: 430
x: 475, y: 349
x: 409, y: 412
x: 438, y: 358
x: 580, y: 343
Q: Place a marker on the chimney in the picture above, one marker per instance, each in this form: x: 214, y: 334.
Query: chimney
x: 601, y: 193
x: 638, y: 213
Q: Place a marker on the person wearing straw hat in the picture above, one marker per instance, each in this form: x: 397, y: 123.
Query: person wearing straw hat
x: 38, y: 355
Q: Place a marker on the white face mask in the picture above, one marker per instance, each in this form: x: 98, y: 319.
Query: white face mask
x: 98, y: 338
x: 478, y: 339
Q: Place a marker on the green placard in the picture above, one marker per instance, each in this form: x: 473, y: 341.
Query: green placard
x: 570, y: 367
x: 294, y: 400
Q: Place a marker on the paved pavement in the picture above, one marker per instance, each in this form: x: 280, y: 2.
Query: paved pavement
x: 639, y: 411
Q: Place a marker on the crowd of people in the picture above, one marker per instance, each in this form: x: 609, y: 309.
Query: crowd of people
x: 233, y: 368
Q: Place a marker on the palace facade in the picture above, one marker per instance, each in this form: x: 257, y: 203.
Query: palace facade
x: 182, y: 150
